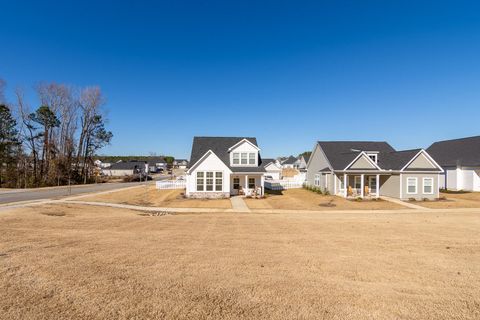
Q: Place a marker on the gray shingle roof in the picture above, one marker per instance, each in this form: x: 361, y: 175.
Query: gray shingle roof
x: 290, y: 160
x: 341, y: 153
x: 464, y: 152
x: 220, y: 146
x: 267, y: 161
x: 130, y: 165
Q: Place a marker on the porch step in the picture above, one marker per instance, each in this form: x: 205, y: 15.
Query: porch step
x: 238, y: 205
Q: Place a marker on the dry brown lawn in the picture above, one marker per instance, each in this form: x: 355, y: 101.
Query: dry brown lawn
x: 150, y: 196
x: 301, y: 199
x: 454, y: 200
x: 73, y: 262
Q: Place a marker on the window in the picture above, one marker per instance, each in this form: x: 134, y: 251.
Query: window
x: 251, y: 183
x: 209, y: 181
x: 373, y: 156
x: 251, y: 158
x: 236, y: 183
x: 411, y: 185
x: 236, y: 158
x: 218, y: 181
x: 316, y: 182
x: 200, y: 181
x: 342, y: 185
x: 244, y: 158
x: 358, y: 183
x: 428, y: 185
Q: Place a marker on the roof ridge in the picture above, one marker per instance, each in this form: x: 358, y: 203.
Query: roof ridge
x: 457, y: 139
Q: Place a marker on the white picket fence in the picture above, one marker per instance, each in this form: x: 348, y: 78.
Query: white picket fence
x: 171, y: 184
x: 283, y: 184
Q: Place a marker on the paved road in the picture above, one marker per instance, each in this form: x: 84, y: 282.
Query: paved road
x: 60, y: 192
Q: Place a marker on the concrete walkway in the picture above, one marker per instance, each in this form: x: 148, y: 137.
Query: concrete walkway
x: 405, y: 203
x: 238, y: 205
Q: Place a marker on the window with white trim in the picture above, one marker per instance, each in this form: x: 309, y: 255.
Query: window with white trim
x: 342, y: 184
x: 357, y: 181
x: 209, y: 181
x: 251, y: 183
x: 428, y: 185
x: 412, y: 185
x: 236, y: 183
x: 244, y: 158
x: 218, y: 181
x: 200, y: 181
x: 316, y: 182
x: 236, y: 158
x: 251, y: 158
x: 373, y: 156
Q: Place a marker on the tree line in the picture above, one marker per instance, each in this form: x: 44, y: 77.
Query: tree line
x: 54, y: 142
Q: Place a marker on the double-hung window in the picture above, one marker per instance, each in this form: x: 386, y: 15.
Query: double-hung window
x: 251, y: 158
x: 244, y: 158
x: 236, y: 183
x: 411, y: 185
x: 209, y: 181
x: 218, y: 181
x: 251, y: 183
x: 200, y: 181
x: 316, y: 182
x: 236, y: 158
x: 428, y: 185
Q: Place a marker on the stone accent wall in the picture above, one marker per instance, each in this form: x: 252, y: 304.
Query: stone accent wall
x: 209, y: 195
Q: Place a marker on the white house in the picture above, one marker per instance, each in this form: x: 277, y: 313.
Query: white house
x: 460, y: 160
x: 224, y: 166
x: 272, y: 168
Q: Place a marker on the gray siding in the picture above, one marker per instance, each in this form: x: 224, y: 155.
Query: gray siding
x: 421, y: 162
x: 362, y: 163
x: 390, y: 186
x: 317, y: 162
x: 420, y: 195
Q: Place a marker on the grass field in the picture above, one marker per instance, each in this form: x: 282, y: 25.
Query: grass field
x: 301, y: 199
x: 454, y: 200
x: 84, y: 262
x: 150, y: 196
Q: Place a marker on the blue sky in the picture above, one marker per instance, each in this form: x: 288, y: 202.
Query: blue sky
x: 287, y: 72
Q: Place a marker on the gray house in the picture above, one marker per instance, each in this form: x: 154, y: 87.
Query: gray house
x: 460, y: 159
x: 372, y: 169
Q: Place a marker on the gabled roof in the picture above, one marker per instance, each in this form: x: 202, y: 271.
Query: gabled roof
x: 220, y: 146
x: 462, y: 152
x: 306, y: 158
x: 155, y: 160
x: 341, y: 153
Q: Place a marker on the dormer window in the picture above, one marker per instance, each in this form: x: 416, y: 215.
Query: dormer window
x: 373, y: 156
x: 244, y: 158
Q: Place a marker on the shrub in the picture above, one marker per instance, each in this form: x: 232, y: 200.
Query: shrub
x: 442, y: 198
x: 412, y: 199
x: 426, y: 199
x: 358, y: 199
x: 326, y: 192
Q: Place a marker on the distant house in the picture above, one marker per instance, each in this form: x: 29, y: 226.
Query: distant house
x: 157, y: 164
x: 180, y: 163
x: 372, y: 169
x: 102, y: 165
x: 301, y: 162
x: 272, y: 168
x: 460, y: 160
x: 289, y: 162
x: 224, y: 166
x: 129, y: 168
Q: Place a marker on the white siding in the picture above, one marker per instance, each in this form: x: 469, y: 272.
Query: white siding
x: 244, y: 147
x: 210, y: 163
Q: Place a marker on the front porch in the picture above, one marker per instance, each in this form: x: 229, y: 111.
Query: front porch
x: 360, y: 186
x: 247, y: 184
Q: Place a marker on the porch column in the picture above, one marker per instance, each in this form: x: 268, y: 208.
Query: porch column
x: 246, y: 183
x: 262, y: 181
x: 377, y: 192
x: 362, y: 185
x: 345, y: 187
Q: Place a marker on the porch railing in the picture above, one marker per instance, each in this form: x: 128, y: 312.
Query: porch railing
x: 282, y: 184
